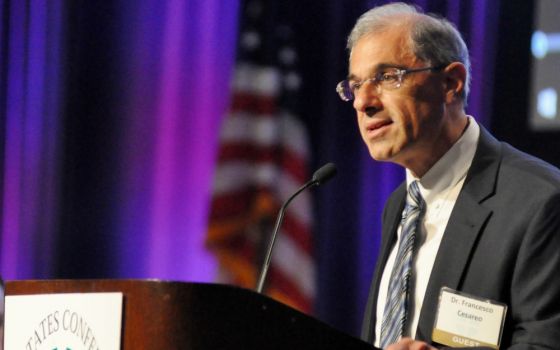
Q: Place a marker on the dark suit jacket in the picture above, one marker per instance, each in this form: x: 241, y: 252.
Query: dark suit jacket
x: 502, y: 242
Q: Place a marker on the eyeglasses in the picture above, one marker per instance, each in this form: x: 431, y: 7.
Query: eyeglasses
x: 388, y: 79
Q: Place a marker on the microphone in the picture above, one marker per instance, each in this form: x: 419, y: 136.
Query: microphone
x: 322, y: 175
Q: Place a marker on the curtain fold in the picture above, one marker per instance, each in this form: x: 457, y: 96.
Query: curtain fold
x: 31, y: 43
x: 110, y: 120
x: 181, y: 62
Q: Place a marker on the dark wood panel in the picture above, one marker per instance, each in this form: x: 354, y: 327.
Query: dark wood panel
x: 177, y: 315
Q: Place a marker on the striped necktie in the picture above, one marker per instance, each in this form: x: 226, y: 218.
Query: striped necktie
x: 394, y: 317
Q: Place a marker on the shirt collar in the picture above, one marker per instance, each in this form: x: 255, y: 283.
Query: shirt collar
x: 450, y: 168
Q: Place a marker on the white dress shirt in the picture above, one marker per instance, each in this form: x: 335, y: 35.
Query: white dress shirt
x: 439, y: 187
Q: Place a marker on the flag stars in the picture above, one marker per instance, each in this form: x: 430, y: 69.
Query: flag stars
x: 292, y: 81
x: 254, y: 9
x: 287, y: 56
x: 250, y: 40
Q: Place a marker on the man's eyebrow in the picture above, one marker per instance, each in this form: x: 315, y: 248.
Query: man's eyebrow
x: 383, y: 66
x: 377, y: 68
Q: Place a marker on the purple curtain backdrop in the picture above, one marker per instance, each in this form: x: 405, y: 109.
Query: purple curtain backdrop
x: 179, y: 59
x: 30, y: 93
x: 174, y: 63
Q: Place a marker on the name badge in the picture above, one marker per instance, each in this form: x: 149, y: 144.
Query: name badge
x: 467, y: 321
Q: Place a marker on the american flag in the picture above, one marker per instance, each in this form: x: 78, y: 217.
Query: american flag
x: 262, y: 160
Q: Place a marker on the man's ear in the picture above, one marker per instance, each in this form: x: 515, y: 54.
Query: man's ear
x: 455, y: 80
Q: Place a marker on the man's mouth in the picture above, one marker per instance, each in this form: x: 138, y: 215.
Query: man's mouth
x: 377, y: 127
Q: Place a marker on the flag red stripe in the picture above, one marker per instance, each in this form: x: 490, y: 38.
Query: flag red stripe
x: 253, y: 153
x: 234, y: 205
x: 239, y: 244
x: 254, y: 104
x: 298, y: 232
x: 286, y: 285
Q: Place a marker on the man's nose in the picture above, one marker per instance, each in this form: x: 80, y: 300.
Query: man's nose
x: 366, y: 96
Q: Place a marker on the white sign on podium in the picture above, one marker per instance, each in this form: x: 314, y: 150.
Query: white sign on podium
x: 84, y: 321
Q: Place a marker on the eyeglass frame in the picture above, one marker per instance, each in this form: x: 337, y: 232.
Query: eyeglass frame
x: 400, y: 73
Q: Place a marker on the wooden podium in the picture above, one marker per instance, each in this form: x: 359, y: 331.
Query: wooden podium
x: 175, y: 315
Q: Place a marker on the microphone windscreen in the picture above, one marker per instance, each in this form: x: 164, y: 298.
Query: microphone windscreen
x: 324, y: 173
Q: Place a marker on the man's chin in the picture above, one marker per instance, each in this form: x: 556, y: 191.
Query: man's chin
x: 381, y: 150
x: 387, y: 152
x: 381, y: 156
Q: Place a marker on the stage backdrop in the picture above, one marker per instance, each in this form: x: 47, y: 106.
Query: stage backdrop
x: 110, y: 114
x: 110, y: 117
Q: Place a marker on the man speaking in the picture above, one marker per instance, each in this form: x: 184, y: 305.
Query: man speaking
x: 471, y: 241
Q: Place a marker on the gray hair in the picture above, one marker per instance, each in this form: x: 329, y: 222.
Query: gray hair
x: 434, y: 40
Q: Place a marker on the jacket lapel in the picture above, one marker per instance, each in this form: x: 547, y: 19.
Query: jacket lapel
x: 465, y: 225
x: 390, y: 224
x: 391, y: 219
